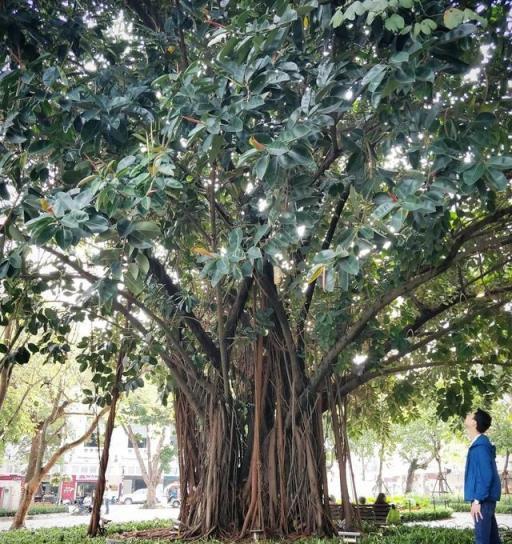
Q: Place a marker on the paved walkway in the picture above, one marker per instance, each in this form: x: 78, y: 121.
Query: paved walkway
x: 118, y: 513
x: 123, y: 513
x: 463, y: 520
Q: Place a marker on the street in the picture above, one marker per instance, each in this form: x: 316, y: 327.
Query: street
x: 118, y: 513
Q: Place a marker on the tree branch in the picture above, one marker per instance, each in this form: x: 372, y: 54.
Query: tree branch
x: 70, y: 445
x: 211, y: 350
x: 327, y: 364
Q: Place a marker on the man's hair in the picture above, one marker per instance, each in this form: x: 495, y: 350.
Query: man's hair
x: 483, y: 420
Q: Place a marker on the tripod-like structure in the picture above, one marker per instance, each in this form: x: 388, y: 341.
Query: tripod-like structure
x: 441, y: 486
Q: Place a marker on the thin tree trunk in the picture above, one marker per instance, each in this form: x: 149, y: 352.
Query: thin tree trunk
x: 506, y: 488
x: 94, y: 523
x: 38, y: 471
x: 380, y: 481
x: 5, y: 379
x: 148, y: 471
x: 339, y: 443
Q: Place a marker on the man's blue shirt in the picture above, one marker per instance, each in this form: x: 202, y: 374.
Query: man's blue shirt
x: 481, y: 480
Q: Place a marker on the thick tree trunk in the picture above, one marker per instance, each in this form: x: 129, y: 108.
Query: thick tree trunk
x: 411, y: 473
x: 94, y: 523
x: 151, y: 497
x: 261, y: 469
x: 29, y: 490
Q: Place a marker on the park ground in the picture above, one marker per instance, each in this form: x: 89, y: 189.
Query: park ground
x: 118, y: 514
x: 135, y: 513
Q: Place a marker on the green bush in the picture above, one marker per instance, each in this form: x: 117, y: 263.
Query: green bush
x: 75, y: 535
x: 426, y: 535
x: 501, y: 507
x: 426, y: 514
x: 37, y: 509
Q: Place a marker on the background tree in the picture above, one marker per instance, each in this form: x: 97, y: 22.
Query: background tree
x: 147, y: 426
x: 501, y: 435
x: 50, y: 437
x: 290, y: 206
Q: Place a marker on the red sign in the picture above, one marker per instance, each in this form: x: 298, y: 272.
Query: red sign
x: 67, y: 492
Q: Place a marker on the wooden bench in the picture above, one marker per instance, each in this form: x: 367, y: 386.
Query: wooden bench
x: 374, y: 513
x: 337, y: 516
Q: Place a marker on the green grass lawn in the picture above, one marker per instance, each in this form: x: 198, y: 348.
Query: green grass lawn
x: 398, y: 535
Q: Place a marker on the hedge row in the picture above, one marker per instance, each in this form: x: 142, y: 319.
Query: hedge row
x: 426, y: 514
x: 425, y: 535
x: 75, y: 535
x: 501, y: 507
x: 37, y: 509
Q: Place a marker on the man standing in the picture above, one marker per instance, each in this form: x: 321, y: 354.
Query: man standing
x: 482, y: 486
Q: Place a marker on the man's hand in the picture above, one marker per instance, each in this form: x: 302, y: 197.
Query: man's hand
x: 476, y: 513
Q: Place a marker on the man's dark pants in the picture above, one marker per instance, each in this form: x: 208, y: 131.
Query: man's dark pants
x: 486, y: 529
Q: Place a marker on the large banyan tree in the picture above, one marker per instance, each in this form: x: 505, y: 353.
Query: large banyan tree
x: 284, y: 199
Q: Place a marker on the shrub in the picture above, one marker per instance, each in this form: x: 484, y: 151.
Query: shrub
x: 37, y: 509
x: 75, y: 535
x: 427, y: 535
x: 504, y: 507
x: 426, y: 514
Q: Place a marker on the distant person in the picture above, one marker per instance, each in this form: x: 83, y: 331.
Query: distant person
x: 362, y: 500
x: 482, y: 486
x: 393, y: 517
x: 381, y: 507
x: 106, y: 499
x: 381, y: 499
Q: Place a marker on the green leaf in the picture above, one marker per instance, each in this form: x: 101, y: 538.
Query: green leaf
x: 51, y: 75
x: 374, y: 76
x: 350, y: 265
x: 394, y: 23
x: 254, y: 253
x: 166, y: 169
x: 261, y: 166
x: 132, y: 280
x: 149, y: 229
x: 249, y: 154
x: 383, y: 209
x: 41, y: 146
x: 400, y: 57
x: 74, y: 219
x: 64, y: 238
x: 97, y: 224
x: 337, y: 18
x: 500, y: 163
x: 496, y: 179
x: 473, y: 174
x: 125, y: 163
x: 143, y: 263
x: 453, y: 17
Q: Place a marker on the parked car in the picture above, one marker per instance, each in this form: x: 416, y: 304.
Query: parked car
x: 138, y: 497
